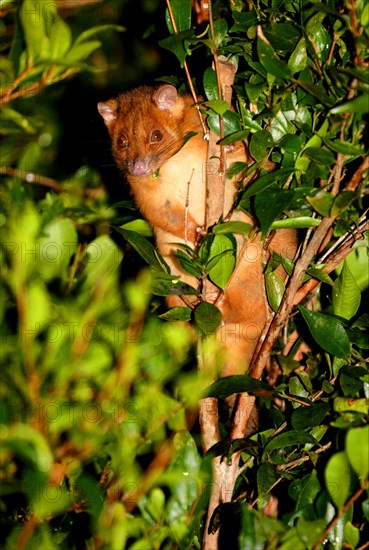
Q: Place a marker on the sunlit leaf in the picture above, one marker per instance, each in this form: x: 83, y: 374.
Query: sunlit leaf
x: 60, y: 39
x: 222, y: 260
x: 338, y: 479
x: 79, y: 52
x: 346, y: 294
x: 275, y: 289
x: 357, y: 449
x: 298, y: 60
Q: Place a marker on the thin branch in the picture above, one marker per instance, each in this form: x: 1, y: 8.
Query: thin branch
x: 44, y: 181
x: 31, y: 177
x: 32, y: 89
x: 334, y: 259
x: 298, y: 461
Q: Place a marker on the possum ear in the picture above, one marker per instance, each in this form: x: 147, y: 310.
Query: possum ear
x: 165, y: 97
x: 108, y: 110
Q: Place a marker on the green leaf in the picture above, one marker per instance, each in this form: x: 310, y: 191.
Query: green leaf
x: 146, y: 250
x: 328, y: 332
x: 238, y: 384
x: 316, y: 91
x: 267, y: 180
x: 282, y: 36
x: 260, y: 144
x: 164, y: 284
x: 319, y: 274
x: 177, y: 314
x: 359, y: 105
x: 33, y: 16
x: 322, y: 202
x: 351, y: 534
x: 307, y: 417
x: 240, y: 228
x: 270, y: 204
x: 310, y: 531
x: 308, y: 489
x: 103, y: 258
x: 254, y: 532
x: 346, y: 294
x: 60, y: 39
x: 176, y: 43
x: 79, y: 52
x: 358, y: 263
x: 181, y: 13
x: 298, y: 60
x: 220, y: 31
x: 357, y: 450
x: 275, y: 290
x: 231, y: 123
x: 343, y: 147
x: 337, y: 476
x: 291, y: 143
x: 289, y: 439
x: 210, y: 84
x: 266, y: 477
x: 299, y: 222
x: 222, y: 260
x: 189, y: 264
x: 236, y: 136
x: 348, y: 404
x: 57, y: 245
x: 321, y: 156
x: 271, y: 63
x: 219, y: 106
x: 37, y: 309
x: 50, y: 501
x: 208, y: 318
x: 139, y: 226
x: 341, y: 202
x: 28, y: 444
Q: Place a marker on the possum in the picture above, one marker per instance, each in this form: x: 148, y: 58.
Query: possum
x: 149, y: 129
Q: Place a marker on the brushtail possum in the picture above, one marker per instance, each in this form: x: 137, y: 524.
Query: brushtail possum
x: 166, y: 172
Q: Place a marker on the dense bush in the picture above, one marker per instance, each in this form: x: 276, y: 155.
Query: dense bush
x: 100, y: 445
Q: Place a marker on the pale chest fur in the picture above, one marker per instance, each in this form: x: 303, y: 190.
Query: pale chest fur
x: 174, y: 200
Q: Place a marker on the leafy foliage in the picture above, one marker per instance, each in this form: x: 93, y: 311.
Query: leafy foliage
x: 99, y: 445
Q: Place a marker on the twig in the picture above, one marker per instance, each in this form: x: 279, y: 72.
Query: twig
x: 31, y: 177
x: 9, y: 93
x: 44, y: 181
x: 334, y: 259
x: 298, y: 461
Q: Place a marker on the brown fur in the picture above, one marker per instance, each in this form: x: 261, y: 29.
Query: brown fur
x: 181, y: 181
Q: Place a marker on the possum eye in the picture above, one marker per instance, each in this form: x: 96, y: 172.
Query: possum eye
x: 122, y: 141
x: 156, y: 136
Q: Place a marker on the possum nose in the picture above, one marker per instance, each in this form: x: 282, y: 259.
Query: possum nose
x: 140, y: 168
